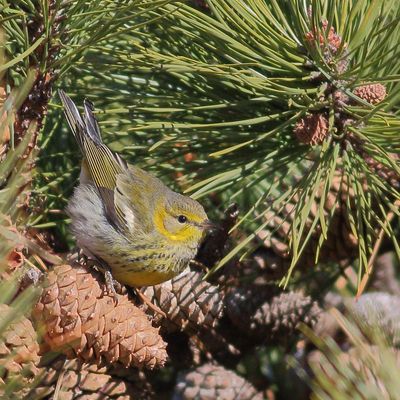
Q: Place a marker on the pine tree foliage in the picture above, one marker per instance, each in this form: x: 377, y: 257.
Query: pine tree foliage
x: 48, y: 38
x: 288, y: 108
x: 262, y: 102
x: 39, y: 42
x: 18, y: 340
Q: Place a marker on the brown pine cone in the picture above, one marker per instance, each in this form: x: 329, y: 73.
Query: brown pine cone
x: 268, y: 264
x: 222, y: 344
x: 378, y: 310
x: 263, y: 266
x: 202, y: 4
x: 270, y: 319
x: 340, y: 245
x: 80, y: 381
x: 327, y: 325
x: 18, y: 351
x: 384, y: 170
x: 283, y: 314
x: 214, y: 245
x: 188, y: 301
x: 328, y: 40
x: 214, y: 382
x: 384, y: 273
x: 242, y: 302
x: 83, y: 321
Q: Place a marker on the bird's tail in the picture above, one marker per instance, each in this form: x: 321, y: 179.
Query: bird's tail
x: 100, y: 165
x: 87, y: 126
x: 103, y: 165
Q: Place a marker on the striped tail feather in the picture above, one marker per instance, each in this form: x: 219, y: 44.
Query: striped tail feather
x: 80, y: 127
x: 92, y: 125
x: 74, y: 118
x: 102, y: 164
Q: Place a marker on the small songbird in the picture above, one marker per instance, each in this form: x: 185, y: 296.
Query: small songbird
x: 138, y: 230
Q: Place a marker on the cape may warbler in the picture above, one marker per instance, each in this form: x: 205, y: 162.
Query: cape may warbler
x: 124, y: 217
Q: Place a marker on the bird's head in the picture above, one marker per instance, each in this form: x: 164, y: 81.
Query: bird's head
x: 181, y: 219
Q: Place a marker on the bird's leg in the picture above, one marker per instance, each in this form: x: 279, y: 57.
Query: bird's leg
x: 82, y: 257
x: 77, y: 255
x: 103, y: 267
x: 199, y: 264
x: 148, y: 302
x: 111, y: 284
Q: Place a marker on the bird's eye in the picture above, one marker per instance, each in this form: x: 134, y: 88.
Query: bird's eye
x: 182, y: 219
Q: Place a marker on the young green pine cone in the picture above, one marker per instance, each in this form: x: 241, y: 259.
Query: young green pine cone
x: 18, y: 352
x: 373, y: 93
x: 312, y: 129
x: 214, y: 382
x: 188, y: 301
x: 83, y: 321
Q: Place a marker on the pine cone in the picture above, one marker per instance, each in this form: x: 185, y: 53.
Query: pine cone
x: 214, y: 245
x: 202, y: 4
x: 378, y: 310
x: 89, y: 382
x: 18, y: 352
x: 327, y: 325
x: 188, y: 301
x: 222, y: 343
x: 341, y: 244
x: 372, y: 93
x: 34, y: 107
x: 383, y: 277
x: 242, y: 302
x: 284, y: 313
x: 214, y: 382
x: 329, y: 41
x: 84, y: 322
x: 312, y: 129
x: 262, y: 267
x: 272, y: 319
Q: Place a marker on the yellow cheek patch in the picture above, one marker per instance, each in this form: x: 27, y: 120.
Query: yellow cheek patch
x: 183, y: 234
x: 159, y: 217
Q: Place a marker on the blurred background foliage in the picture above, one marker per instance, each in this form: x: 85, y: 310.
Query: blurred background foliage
x: 288, y: 108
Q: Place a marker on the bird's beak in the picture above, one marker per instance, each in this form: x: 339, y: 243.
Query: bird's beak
x: 208, y: 225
